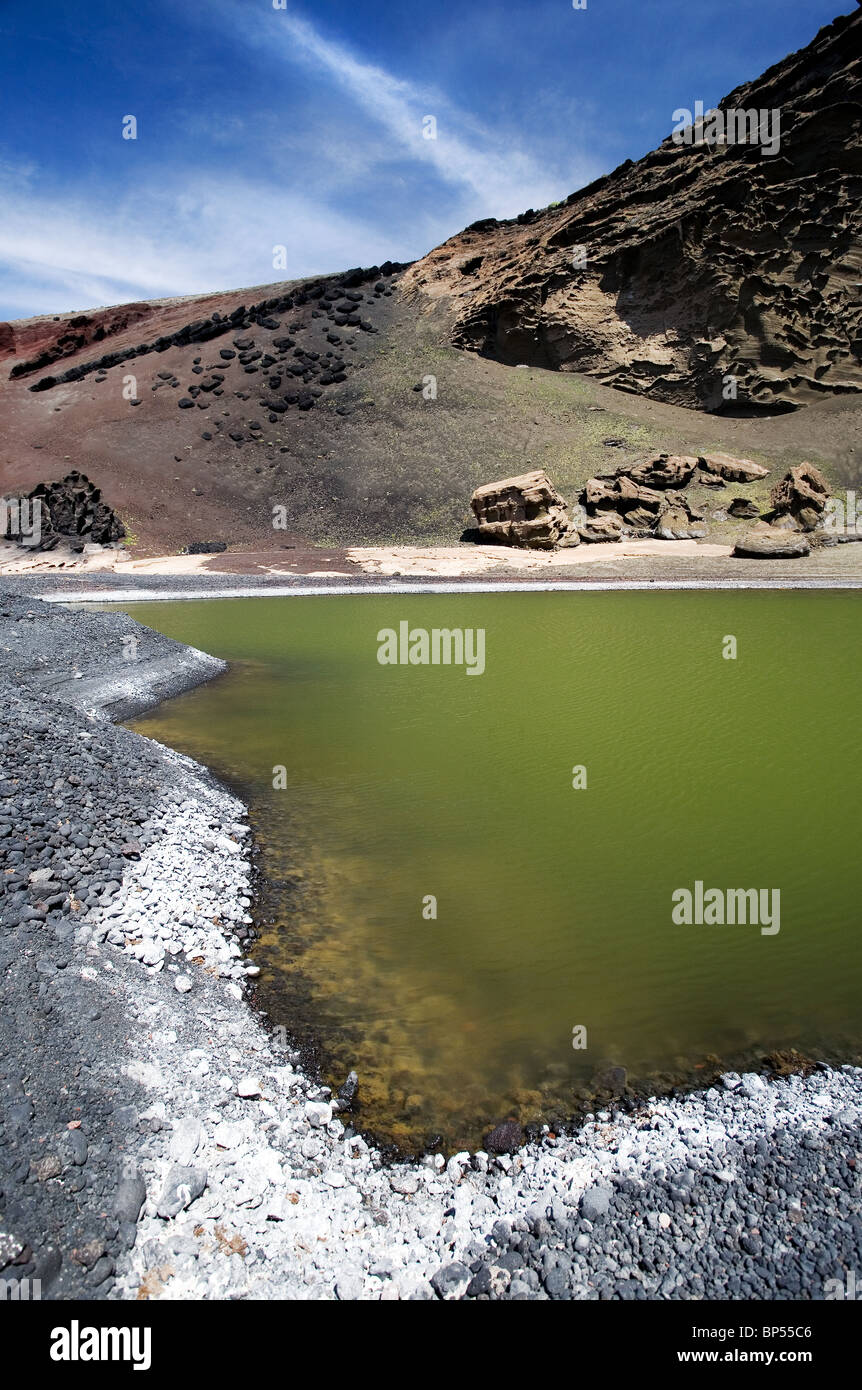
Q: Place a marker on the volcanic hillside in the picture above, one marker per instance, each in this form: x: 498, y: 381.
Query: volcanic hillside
x: 370, y: 404
x: 702, y: 260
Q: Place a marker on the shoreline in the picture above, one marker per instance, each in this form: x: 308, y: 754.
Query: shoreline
x: 291, y: 1203
x: 307, y: 569
x: 452, y: 587
x: 167, y: 589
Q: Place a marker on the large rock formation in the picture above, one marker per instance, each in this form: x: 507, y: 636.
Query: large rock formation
x: 524, y: 511
x: 701, y: 269
x: 802, y: 493
x: 733, y: 470
x: 769, y: 544
x: 647, y: 497
x: 798, y: 501
x: 70, y: 511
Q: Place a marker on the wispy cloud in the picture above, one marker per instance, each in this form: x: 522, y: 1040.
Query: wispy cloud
x: 489, y: 163
x: 355, y: 182
x: 58, y: 255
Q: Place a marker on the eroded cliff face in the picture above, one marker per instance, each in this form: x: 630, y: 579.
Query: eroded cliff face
x: 700, y: 263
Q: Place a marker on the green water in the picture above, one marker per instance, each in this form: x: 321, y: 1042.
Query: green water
x: 554, y: 904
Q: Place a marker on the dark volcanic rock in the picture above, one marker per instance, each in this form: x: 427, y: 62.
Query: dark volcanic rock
x: 69, y: 510
x: 505, y: 1138
x: 84, y: 791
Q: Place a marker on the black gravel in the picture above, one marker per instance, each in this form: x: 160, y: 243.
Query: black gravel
x: 780, y: 1226
x: 77, y: 795
x: 769, y: 1211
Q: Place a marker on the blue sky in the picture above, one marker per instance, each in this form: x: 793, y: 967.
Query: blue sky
x: 302, y: 127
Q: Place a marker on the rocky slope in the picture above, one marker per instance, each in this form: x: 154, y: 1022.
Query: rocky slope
x: 698, y: 262
x: 358, y: 408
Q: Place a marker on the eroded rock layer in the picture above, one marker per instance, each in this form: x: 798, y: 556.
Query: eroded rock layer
x: 524, y: 511
x: 713, y: 275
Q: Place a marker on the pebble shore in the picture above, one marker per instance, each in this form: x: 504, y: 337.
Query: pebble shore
x: 156, y: 1141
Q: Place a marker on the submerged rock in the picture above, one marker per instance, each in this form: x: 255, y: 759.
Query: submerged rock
x: 505, y: 1138
x: 613, y: 1079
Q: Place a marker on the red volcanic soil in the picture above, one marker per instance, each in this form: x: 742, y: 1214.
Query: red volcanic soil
x: 49, y: 339
x: 364, y: 408
x: 193, y: 415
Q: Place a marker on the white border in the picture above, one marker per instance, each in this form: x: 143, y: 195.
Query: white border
x: 140, y: 595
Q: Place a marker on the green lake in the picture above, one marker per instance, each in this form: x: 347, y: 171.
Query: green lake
x: 554, y: 903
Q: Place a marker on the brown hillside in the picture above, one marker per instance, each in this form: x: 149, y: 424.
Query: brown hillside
x: 196, y: 417
x: 702, y: 260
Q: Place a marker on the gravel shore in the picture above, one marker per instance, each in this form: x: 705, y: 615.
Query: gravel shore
x: 157, y: 1141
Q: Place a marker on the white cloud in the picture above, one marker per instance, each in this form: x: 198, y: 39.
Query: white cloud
x: 380, y: 192
x: 194, y: 237
x: 487, y: 162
